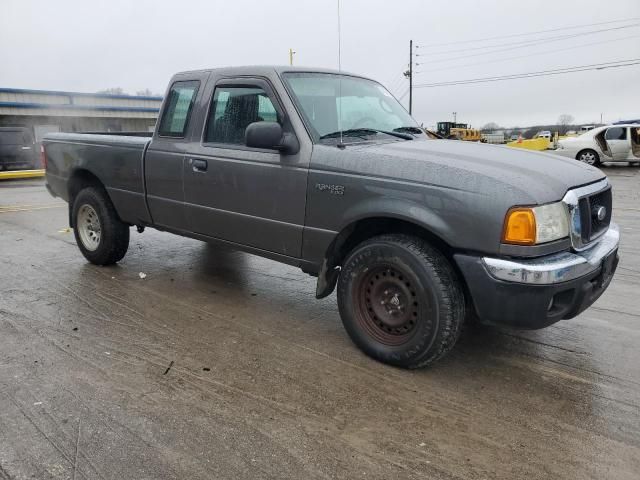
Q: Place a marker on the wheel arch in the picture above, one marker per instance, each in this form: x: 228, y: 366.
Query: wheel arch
x: 80, y: 179
x: 364, y: 228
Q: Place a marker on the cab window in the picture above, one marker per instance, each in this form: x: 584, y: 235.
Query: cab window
x: 233, y: 109
x: 178, y: 108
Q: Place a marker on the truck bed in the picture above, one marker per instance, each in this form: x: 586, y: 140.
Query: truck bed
x: 116, y: 160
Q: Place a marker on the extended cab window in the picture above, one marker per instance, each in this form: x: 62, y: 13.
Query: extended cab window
x: 233, y: 109
x: 178, y: 108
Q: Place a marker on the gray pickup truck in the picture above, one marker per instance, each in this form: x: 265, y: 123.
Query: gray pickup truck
x: 327, y: 172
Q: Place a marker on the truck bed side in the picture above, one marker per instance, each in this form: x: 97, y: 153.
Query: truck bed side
x: 117, y: 162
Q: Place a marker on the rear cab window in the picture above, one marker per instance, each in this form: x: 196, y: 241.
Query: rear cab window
x: 178, y: 107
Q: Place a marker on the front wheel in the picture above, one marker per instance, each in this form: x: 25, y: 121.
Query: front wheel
x: 590, y: 157
x: 400, y: 301
x: 101, y: 236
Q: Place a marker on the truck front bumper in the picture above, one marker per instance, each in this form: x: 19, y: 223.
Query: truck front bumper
x: 537, y: 292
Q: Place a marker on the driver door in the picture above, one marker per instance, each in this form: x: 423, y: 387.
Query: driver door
x: 244, y: 195
x: 618, y: 142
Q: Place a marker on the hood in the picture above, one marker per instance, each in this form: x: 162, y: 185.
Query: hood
x: 536, y: 177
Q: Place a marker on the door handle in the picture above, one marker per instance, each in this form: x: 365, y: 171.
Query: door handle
x: 199, y: 165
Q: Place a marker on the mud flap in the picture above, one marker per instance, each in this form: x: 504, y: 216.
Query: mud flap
x: 327, y: 279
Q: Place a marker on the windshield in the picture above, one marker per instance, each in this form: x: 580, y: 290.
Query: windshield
x: 362, y: 108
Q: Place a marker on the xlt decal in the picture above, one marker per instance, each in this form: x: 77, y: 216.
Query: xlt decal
x: 332, y: 189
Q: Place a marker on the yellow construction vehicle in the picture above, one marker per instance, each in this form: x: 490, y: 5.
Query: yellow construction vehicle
x: 458, y: 131
x: 467, y: 134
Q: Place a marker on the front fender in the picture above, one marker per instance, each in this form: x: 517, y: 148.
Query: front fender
x: 413, y: 212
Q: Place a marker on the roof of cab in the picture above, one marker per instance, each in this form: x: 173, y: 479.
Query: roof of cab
x: 267, y: 69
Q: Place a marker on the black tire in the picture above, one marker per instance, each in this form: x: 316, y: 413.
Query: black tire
x: 400, y: 301
x: 589, y: 157
x: 112, y: 236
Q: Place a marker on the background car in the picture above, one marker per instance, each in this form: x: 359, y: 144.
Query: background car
x: 17, y: 148
x: 612, y: 143
x: 544, y: 134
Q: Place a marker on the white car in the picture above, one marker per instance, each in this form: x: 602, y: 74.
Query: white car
x: 612, y: 143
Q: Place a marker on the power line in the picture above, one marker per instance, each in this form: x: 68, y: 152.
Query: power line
x: 528, y: 33
x: 530, y: 74
x: 505, y: 49
x: 543, y: 73
x: 399, y: 83
x: 535, y: 41
x: 398, y: 80
x: 546, y: 52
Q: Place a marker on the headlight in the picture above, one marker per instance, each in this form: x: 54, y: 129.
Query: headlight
x: 533, y: 225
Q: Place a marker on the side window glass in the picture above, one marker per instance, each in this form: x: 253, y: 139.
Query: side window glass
x: 178, y: 108
x: 233, y: 109
x: 266, y: 111
x: 616, y: 133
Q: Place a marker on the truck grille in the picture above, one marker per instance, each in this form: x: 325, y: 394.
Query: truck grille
x: 590, y: 209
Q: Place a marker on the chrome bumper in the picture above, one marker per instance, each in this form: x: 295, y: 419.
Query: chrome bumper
x: 556, y: 268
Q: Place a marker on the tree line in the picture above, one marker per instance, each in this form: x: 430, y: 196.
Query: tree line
x: 563, y: 125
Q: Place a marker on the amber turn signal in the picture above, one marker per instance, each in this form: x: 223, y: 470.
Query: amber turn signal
x: 520, y: 227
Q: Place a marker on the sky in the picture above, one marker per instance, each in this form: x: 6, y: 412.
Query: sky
x: 86, y: 46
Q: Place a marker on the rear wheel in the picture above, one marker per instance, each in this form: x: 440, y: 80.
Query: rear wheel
x: 101, y: 236
x: 400, y: 301
x: 590, y: 157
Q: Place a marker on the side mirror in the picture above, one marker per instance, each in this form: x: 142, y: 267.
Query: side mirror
x: 269, y: 135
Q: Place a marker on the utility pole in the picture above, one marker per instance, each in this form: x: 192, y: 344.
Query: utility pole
x: 291, y: 54
x: 410, y: 76
x: 455, y: 117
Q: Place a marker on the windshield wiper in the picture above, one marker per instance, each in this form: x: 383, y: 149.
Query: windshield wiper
x: 415, y: 130
x: 361, y: 132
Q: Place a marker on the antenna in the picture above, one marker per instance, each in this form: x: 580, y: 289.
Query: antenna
x: 341, y: 144
x: 339, y: 40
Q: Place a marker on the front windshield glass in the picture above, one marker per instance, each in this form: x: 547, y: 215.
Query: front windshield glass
x: 360, y: 107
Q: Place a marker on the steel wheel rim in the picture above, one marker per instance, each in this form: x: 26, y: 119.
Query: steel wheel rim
x: 387, y: 306
x: 588, y: 158
x: 89, y: 229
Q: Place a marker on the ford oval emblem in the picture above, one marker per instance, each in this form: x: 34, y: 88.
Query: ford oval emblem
x: 600, y: 213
